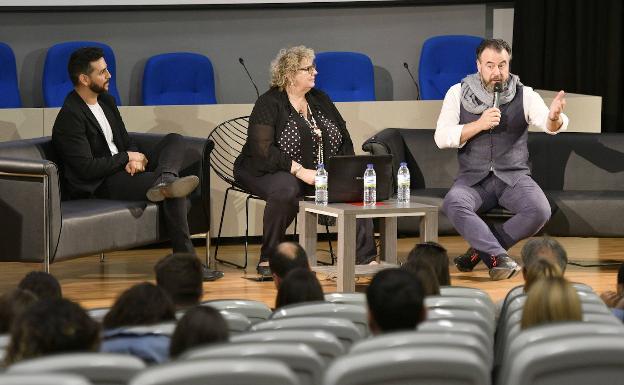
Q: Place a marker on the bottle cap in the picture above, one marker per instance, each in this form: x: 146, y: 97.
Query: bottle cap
x: 320, y: 165
x: 403, y: 164
x: 370, y: 165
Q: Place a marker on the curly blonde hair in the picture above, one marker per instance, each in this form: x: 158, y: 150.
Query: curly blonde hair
x: 287, y: 63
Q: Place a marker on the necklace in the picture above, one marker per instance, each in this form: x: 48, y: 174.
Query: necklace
x: 311, y: 122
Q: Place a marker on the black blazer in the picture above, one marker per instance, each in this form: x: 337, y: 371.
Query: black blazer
x: 80, y: 144
x: 260, y: 154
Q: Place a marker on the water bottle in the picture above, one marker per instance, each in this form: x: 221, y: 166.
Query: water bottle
x: 403, y: 184
x: 320, y: 185
x: 370, y: 186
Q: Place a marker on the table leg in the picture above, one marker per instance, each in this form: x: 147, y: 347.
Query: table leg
x: 307, y: 235
x: 388, y: 230
x: 346, y: 253
x: 429, y: 227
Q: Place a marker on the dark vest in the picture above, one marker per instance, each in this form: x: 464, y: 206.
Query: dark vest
x: 502, y: 150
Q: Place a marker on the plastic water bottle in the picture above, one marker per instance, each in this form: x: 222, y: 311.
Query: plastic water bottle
x: 370, y: 186
x: 320, y: 185
x: 403, y: 184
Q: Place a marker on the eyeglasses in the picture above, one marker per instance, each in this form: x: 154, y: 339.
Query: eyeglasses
x: 309, y: 69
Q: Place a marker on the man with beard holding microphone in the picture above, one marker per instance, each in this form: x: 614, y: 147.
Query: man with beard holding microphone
x: 487, y: 122
x: 100, y: 160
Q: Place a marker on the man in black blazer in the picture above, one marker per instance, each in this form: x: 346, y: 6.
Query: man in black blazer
x: 100, y: 160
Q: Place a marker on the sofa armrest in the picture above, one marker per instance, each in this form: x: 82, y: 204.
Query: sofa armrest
x: 30, y: 196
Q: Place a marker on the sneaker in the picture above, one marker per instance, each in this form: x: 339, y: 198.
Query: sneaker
x: 467, y: 261
x: 173, y: 188
x: 503, y: 267
x: 210, y: 275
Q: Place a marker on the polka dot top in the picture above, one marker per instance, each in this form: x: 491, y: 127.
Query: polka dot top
x: 290, y: 138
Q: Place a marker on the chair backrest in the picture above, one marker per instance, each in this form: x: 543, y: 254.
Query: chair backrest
x: 300, y: 358
x: 403, y: 366
x: 218, y: 372
x: 445, y: 61
x: 461, y: 303
x: 56, y: 82
x: 470, y: 292
x: 416, y: 339
x: 597, y: 360
x: 354, y: 313
x: 229, y: 138
x: 324, y: 343
x: 348, y: 298
x: 98, y: 314
x: 470, y: 316
x: 9, y: 91
x: 255, y: 311
x: 345, y: 76
x: 556, y: 331
x: 178, y: 78
x: 43, y: 379
x: 98, y: 368
x: 344, y: 329
x: 237, y: 322
x: 459, y: 328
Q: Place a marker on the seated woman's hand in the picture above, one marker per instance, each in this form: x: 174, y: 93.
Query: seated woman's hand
x: 307, y: 175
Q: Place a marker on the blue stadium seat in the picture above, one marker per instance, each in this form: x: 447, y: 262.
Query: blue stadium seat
x: 9, y: 93
x: 56, y: 82
x: 180, y: 78
x: 345, y: 76
x: 445, y: 61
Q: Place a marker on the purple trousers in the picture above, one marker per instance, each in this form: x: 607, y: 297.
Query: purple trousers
x: 525, y: 199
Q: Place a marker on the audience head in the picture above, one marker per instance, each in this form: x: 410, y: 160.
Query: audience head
x: 142, y: 304
x: 540, y: 268
x: 435, y: 256
x: 87, y: 68
x: 424, y: 274
x: 52, y: 326
x: 200, y: 326
x: 395, y: 301
x: 551, y: 299
x: 544, y: 247
x: 288, y: 63
x: 41, y: 284
x: 12, y: 305
x: 180, y: 275
x: 300, y: 285
x: 288, y: 256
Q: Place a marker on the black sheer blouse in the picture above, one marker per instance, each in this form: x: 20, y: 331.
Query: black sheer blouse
x: 264, y: 151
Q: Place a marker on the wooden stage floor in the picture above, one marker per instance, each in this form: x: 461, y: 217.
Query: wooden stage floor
x: 95, y: 284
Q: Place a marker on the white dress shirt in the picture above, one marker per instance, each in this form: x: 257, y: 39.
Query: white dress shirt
x: 448, y: 130
x: 105, y: 126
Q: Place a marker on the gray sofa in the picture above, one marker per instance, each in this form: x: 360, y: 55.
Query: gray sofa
x: 39, y: 226
x: 582, y: 175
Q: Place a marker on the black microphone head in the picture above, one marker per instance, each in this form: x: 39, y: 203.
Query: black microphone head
x: 240, y: 60
x: 405, y: 64
x: 498, y: 87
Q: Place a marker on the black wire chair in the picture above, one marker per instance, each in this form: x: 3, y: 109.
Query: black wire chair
x: 229, y: 138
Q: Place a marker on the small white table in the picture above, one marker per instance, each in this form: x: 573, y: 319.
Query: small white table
x: 346, y: 214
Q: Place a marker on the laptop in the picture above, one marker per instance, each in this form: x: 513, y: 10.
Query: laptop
x: 346, y: 177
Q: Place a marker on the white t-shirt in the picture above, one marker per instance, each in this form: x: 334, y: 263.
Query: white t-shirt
x: 105, y: 126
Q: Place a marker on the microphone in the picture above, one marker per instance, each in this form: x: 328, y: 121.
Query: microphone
x: 498, y: 88
x: 414, y: 80
x: 242, y: 62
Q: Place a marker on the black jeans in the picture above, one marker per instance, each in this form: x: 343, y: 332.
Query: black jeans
x: 167, y: 156
x: 282, y: 193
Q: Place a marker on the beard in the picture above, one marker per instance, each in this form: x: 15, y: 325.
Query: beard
x: 98, y: 89
x: 489, y: 86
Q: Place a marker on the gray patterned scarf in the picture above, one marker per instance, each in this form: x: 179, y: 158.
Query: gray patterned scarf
x: 476, y: 99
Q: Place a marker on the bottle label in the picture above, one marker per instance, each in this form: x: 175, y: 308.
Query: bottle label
x: 370, y: 181
x: 403, y: 180
x: 320, y: 181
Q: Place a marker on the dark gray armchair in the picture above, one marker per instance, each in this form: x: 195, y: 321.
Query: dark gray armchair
x: 37, y: 225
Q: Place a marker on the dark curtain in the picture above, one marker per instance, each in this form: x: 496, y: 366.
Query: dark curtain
x: 573, y: 45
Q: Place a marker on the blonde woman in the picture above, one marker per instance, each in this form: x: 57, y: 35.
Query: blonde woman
x: 551, y: 299
x: 540, y: 268
x: 292, y: 128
